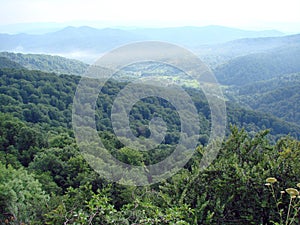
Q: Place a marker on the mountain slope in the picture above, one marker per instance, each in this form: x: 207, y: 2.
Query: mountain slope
x: 279, y: 96
x: 261, y: 66
x: 215, y: 55
x: 69, y: 39
x: 35, y: 96
x: 46, y: 63
x: 195, y: 36
x: 7, y: 63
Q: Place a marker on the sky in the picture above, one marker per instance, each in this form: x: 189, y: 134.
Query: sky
x: 245, y: 14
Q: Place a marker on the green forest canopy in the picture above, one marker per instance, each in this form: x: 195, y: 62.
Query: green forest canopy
x: 43, y: 171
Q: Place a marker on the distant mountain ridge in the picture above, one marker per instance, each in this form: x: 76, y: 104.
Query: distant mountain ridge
x: 195, y: 36
x: 92, y: 40
x: 246, y: 46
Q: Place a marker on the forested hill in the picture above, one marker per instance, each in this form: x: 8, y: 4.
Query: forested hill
x: 278, y: 96
x: 46, y: 63
x: 261, y: 66
x: 39, y: 97
x: 7, y: 63
x: 273, y: 100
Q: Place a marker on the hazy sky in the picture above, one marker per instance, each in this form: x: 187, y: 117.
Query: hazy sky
x: 249, y: 14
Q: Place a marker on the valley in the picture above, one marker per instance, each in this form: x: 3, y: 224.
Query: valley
x: 46, y: 178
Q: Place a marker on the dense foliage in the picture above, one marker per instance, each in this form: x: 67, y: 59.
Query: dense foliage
x: 278, y: 96
x: 260, y: 66
x: 55, y: 185
x: 39, y: 97
x: 45, y: 180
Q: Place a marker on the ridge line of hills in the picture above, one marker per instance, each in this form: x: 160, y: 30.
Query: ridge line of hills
x: 84, y: 42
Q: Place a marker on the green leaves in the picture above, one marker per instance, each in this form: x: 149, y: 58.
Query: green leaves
x: 21, y: 195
